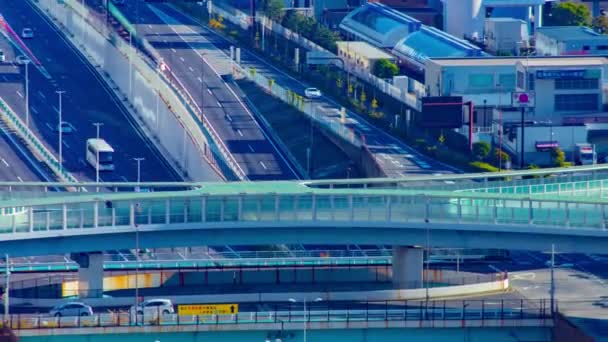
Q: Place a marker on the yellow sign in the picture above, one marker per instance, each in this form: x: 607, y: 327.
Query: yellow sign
x: 207, y: 309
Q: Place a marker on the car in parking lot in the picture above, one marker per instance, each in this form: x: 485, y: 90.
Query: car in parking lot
x: 312, y: 93
x: 71, y: 309
x: 27, y: 33
x: 152, y: 308
x: 21, y: 59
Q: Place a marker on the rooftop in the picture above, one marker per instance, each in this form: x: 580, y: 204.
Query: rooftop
x: 364, y: 49
x: 570, y: 33
x: 532, y: 61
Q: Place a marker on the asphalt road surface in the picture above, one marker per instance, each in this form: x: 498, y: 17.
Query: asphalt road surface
x: 86, y: 100
x: 184, y: 53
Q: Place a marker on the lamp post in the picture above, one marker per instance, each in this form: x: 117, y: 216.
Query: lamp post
x: 97, y: 125
x: 60, y: 128
x: 27, y: 93
x: 7, y: 288
x: 292, y: 300
x: 139, y: 160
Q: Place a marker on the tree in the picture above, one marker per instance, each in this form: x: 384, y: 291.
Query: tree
x: 481, y: 149
x: 384, y: 68
x: 559, y: 157
x: 569, y: 14
x: 600, y: 24
x: 274, y: 9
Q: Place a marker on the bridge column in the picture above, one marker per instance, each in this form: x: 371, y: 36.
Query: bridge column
x: 90, y: 274
x: 407, y: 267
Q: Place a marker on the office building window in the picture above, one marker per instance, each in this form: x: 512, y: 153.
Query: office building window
x: 602, y: 47
x: 582, y: 102
x: 530, y: 81
x: 577, y: 84
x: 520, y: 80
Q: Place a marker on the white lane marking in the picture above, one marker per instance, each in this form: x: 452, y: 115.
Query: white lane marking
x: 174, y: 51
x: 5, y: 163
x: 524, y: 276
x: 209, y: 91
x: 149, y: 26
x: 239, y: 132
x: 228, y: 117
x: 199, y: 79
x: 220, y: 105
x: 191, y: 69
x: 65, y: 144
x: 496, y: 269
x: 124, y: 178
x: 33, y: 109
x: 55, y: 109
x: 41, y: 94
x: 263, y: 165
x: 182, y: 58
x: 251, y: 148
x: 5, y: 78
x: 20, y: 95
x: 19, y: 178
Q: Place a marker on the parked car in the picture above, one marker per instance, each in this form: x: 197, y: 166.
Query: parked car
x: 27, y: 33
x: 312, y: 93
x: 151, y: 308
x: 71, y: 309
x: 21, y: 59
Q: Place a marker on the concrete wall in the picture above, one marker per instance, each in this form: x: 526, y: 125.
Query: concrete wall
x: 172, y: 134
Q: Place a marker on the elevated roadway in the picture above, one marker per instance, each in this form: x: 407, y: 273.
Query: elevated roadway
x: 304, y: 212
x: 87, y: 99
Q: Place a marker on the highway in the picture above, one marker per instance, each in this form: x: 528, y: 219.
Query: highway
x: 395, y: 157
x: 86, y: 100
x: 253, y: 150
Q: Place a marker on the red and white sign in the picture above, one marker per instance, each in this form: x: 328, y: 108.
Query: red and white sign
x: 522, y: 99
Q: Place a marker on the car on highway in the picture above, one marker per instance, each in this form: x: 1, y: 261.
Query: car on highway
x: 21, y: 59
x: 27, y: 33
x: 152, y: 308
x: 71, y: 309
x: 312, y: 93
x: 65, y: 128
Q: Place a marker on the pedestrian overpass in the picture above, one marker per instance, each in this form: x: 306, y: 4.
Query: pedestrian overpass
x: 530, y: 210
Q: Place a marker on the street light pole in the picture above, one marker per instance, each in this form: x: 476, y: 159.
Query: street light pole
x: 97, y: 125
x: 60, y: 127
x: 27, y: 93
x: 292, y: 300
x: 139, y: 160
x: 7, y: 288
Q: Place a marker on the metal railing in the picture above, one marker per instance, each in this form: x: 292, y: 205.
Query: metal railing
x: 396, y: 311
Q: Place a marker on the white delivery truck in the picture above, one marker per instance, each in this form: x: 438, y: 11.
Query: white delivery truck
x: 584, y: 154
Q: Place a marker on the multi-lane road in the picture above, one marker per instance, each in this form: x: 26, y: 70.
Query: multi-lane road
x: 87, y: 99
x: 182, y: 51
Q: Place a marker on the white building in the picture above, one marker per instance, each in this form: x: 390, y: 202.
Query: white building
x: 506, y: 36
x: 361, y: 55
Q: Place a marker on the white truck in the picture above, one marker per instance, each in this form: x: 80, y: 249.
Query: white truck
x: 584, y: 154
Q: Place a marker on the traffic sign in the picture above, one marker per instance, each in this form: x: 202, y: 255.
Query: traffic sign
x: 207, y: 309
x: 522, y: 99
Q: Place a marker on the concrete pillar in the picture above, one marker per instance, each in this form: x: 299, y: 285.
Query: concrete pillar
x: 407, y: 267
x: 90, y: 274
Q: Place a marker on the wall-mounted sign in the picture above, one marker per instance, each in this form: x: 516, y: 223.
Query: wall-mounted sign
x: 556, y: 74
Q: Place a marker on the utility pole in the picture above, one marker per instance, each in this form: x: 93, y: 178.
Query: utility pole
x: 60, y: 127
x: 521, y: 159
x: 7, y: 288
x: 97, y: 126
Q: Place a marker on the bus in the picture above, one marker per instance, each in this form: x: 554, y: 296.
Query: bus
x: 101, y: 147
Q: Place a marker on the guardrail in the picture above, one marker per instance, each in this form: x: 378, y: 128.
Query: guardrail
x: 35, y: 145
x: 415, y: 311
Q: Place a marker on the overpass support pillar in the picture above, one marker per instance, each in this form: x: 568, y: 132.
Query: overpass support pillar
x: 90, y: 274
x: 407, y: 267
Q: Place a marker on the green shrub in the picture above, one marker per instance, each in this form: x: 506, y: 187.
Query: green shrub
x: 478, y: 166
x: 481, y: 150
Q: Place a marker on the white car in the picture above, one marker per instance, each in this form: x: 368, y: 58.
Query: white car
x: 65, y: 128
x: 151, y: 308
x: 312, y: 93
x: 21, y: 59
x: 71, y: 309
x: 27, y: 33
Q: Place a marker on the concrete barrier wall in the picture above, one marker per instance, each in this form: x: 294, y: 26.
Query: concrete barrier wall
x: 162, y: 117
x: 433, y: 293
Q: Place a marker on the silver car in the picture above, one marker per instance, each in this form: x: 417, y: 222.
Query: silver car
x: 71, y: 309
x: 27, y: 33
x: 152, y: 308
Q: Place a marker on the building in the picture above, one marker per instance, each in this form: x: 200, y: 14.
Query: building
x: 569, y: 40
x: 465, y: 18
x: 568, y: 86
x: 429, y: 12
x: 361, y: 55
x: 506, y: 36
